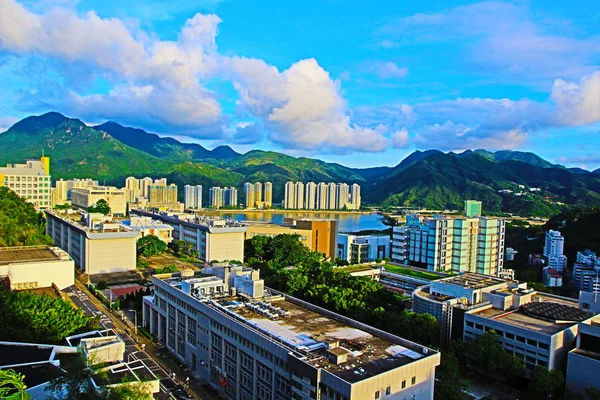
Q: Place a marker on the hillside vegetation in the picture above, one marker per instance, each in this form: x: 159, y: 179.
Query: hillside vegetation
x: 20, y: 224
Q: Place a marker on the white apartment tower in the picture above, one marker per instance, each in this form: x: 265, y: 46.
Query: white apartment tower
x: 355, y: 196
x: 332, y: 196
x: 299, y: 195
x: 343, y: 195
x: 216, y: 197
x: 322, y: 190
x: 31, y: 181
x: 249, y: 195
x: 310, y: 202
x: 289, y: 199
x: 258, y: 192
x: 193, y: 196
x: 268, y: 194
x: 554, y: 250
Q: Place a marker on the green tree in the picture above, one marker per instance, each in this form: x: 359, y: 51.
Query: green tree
x: 12, y: 386
x: 448, y: 383
x: 25, y: 317
x: 592, y: 393
x: 20, y: 224
x: 101, y: 206
x: 487, y: 352
x: 256, y: 247
x: 134, y: 390
x: 546, y: 384
x: 149, y: 246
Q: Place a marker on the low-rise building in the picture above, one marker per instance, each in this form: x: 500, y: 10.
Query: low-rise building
x: 510, y: 254
x: 31, y: 181
x: 551, y: 277
x: 82, y: 198
x: 324, y: 234
x: 213, y: 238
x: 583, y: 366
x: 267, y: 345
x: 148, y: 226
x: 358, y: 249
x: 33, y: 267
x: 590, y: 301
x: 96, y: 243
x: 272, y: 230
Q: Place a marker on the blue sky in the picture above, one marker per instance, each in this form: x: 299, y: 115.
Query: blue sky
x: 362, y: 85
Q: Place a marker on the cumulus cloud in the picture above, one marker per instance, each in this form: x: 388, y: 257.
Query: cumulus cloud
x: 247, y: 133
x: 385, y: 69
x: 302, y: 107
x: 400, y: 139
x: 578, y: 103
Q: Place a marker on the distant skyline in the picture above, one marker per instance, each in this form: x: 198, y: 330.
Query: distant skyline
x: 336, y: 80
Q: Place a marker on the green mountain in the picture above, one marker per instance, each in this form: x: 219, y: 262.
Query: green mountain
x: 443, y: 181
x: 79, y: 151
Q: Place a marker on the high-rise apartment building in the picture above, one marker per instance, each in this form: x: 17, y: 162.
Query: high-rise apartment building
x: 258, y: 192
x: 321, y: 199
x: 310, y: 201
x: 451, y: 244
x: 355, y: 196
x: 230, y: 197
x: 137, y: 188
x: 162, y: 194
x: 193, y: 196
x: 343, y: 196
x: 472, y: 208
x: 216, y: 197
x: 332, y: 197
x: 31, y: 181
x: 268, y: 195
x: 289, y: 196
x: 249, y: 195
x: 299, y: 189
x: 554, y: 250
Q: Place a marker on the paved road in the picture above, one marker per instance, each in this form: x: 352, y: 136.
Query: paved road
x: 132, y: 350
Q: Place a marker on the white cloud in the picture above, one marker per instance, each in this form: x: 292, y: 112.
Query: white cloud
x: 400, y: 139
x: 7, y: 122
x: 385, y: 69
x: 578, y: 103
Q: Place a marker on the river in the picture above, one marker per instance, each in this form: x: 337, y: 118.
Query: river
x: 347, y: 222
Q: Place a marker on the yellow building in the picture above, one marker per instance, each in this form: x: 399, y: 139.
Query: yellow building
x: 31, y: 181
x: 83, y: 198
x: 272, y: 230
x: 162, y: 194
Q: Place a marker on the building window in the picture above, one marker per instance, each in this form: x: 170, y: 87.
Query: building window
x: 403, y: 384
x: 413, y: 380
x: 388, y: 390
x: 376, y: 395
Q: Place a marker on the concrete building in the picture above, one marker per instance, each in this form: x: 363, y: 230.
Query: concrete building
x: 324, y: 234
x: 510, y: 254
x: 63, y: 188
x: 472, y: 208
x: 230, y: 197
x: 551, y: 277
x: 364, y: 248
x: 147, y: 226
x: 193, y: 197
x: 258, y: 192
x: 160, y: 193
x: 586, y: 271
x: 343, y: 201
x: 310, y: 202
x: 554, y: 251
x: 355, y: 196
x: 272, y: 230
x: 249, y: 195
x: 214, y: 238
x: 96, y: 243
x: 321, y: 198
x: 33, y: 267
x: 536, y: 327
x: 216, y: 197
x: 583, y: 366
x: 299, y: 193
x: 268, y: 197
x: 83, y: 198
x: 332, y: 196
x: 451, y: 244
x: 224, y: 327
x: 31, y: 181
x: 590, y: 301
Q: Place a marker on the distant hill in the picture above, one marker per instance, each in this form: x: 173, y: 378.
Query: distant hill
x: 443, y: 181
x: 579, y: 171
x: 110, y: 152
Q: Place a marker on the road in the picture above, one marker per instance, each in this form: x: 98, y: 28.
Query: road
x: 93, y: 307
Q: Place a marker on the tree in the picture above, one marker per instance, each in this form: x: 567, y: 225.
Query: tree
x: 546, y: 384
x: 25, y: 317
x: 101, y: 206
x: 256, y: 247
x: 592, y: 393
x: 149, y: 246
x: 448, y: 384
x: 20, y: 224
x: 133, y: 390
x: 12, y: 386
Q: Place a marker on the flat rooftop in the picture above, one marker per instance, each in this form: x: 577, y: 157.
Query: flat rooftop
x: 309, y: 332
x: 11, y: 354
x: 11, y: 255
x: 546, y: 315
x: 474, y: 281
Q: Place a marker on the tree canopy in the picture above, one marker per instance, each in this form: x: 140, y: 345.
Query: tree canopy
x: 101, y: 206
x: 12, y: 386
x: 25, y: 317
x: 150, y: 245
x: 20, y: 224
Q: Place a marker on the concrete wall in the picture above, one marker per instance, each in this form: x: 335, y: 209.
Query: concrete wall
x: 110, y: 255
x: 40, y: 274
x: 225, y: 246
x: 582, y: 373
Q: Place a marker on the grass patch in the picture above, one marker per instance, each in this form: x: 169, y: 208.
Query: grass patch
x: 145, y: 333
x: 355, y: 268
x: 410, y: 272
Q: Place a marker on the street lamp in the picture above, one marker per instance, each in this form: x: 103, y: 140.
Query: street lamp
x: 135, y: 322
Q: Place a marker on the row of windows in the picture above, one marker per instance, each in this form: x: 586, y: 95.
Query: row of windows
x: 508, y: 335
